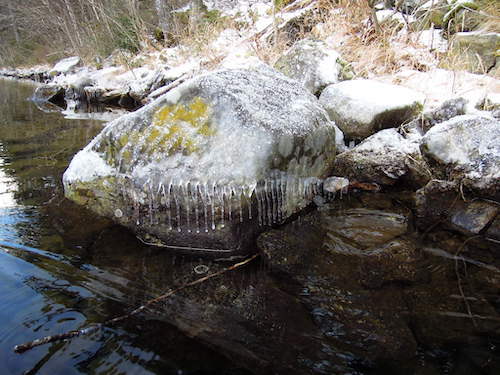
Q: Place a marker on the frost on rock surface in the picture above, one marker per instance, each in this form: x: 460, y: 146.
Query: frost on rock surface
x: 311, y: 63
x: 466, y: 148
x: 362, y: 107
x: 385, y: 158
x: 209, y: 162
x: 65, y: 65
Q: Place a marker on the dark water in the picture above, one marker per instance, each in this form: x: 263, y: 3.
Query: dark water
x: 76, y: 269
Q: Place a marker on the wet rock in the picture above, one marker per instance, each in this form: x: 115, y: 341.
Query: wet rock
x: 385, y: 158
x: 49, y: 93
x: 312, y: 63
x: 474, y: 216
x: 476, y: 49
x: 466, y: 148
x: 209, y: 161
x: 362, y: 107
x: 65, y: 66
x: 434, y: 201
x: 332, y: 282
x: 493, y: 231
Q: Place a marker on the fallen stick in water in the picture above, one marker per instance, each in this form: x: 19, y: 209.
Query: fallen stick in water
x: 95, y: 327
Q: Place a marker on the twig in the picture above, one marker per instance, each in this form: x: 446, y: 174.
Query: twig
x: 95, y: 327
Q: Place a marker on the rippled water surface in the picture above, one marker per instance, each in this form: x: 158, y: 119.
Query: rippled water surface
x: 62, y: 268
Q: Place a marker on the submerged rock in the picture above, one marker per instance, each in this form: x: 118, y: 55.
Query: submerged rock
x: 208, y: 162
x: 362, y: 107
x: 312, y: 63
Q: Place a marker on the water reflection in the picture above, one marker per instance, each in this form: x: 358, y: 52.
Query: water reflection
x: 83, y: 274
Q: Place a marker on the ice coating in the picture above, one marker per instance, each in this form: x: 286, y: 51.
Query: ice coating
x: 227, y: 148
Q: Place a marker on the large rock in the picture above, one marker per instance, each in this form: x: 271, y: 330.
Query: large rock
x: 65, y: 65
x: 466, y: 148
x: 207, y: 162
x: 362, y: 107
x: 49, y: 93
x: 477, y: 50
x: 385, y: 158
x: 312, y: 63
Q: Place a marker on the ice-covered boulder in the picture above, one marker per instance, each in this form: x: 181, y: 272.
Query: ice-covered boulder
x: 65, y: 65
x: 466, y: 148
x: 362, y: 107
x: 312, y: 63
x: 385, y: 158
x: 206, y: 163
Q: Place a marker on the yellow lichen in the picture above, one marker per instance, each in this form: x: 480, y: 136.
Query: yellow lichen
x: 174, y: 128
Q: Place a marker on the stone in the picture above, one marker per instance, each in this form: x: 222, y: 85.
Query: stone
x: 431, y: 14
x: 332, y: 283
x: 477, y: 50
x: 49, y: 93
x: 65, y: 66
x: 208, y: 164
x: 449, y: 109
x: 312, y: 63
x: 473, y: 217
x: 385, y: 158
x: 409, y: 6
x: 467, y: 148
x: 362, y: 107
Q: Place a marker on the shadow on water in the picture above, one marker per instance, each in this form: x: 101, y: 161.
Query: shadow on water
x: 88, y: 271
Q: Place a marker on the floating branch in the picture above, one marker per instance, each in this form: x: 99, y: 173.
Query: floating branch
x: 96, y: 327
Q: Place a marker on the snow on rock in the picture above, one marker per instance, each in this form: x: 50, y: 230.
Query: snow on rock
x: 466, y: 147
x: 385, y: 158
x: 361, y: 107
x: 432, y: 39
x: 65, y: 65
x: 221, y: 152
x: 440, y: 85
x: 312, y: 63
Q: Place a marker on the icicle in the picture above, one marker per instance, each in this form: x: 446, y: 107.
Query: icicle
x: 212, y: 201
x: 205, y: 206
x: 187, y: 198
x: 259, y: 204
x: 166, y: 198
x: 150, y: 201
x: 239, y: 192
x: 268, y: 203
x: 177, y: 207
x: 194, y: 194
x: 222, y: 194
x: 274, y: 197
x: 230, y: 205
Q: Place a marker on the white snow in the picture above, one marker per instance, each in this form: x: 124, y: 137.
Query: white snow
x: 86, y: 166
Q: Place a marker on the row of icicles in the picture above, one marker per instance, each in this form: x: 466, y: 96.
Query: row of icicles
x: 204, y: 207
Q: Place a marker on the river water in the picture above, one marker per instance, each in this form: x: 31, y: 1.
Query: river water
x: 74, y: 269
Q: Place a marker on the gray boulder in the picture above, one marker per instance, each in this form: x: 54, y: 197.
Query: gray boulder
x: 384, y: 158
x: 466, y: 148
x: 362, y: 107
x: 312, y: 63
x: 210, y: 162
x: 477, y: 49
